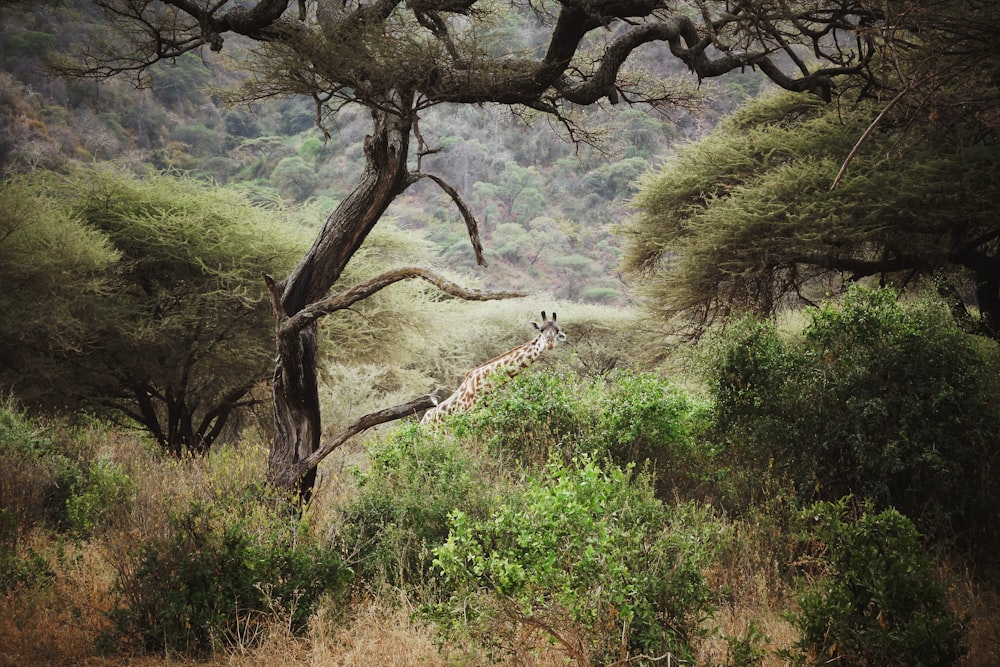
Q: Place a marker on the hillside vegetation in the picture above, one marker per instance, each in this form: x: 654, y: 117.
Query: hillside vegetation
x: 547, y: 207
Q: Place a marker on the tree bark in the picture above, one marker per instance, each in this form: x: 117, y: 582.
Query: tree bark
x: 297, y: 425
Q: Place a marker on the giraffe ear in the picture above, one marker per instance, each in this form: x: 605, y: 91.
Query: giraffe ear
x: 536, y: 325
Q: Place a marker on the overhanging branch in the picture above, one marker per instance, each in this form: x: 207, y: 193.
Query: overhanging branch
x: 361, y: 291
x: 467, y: 215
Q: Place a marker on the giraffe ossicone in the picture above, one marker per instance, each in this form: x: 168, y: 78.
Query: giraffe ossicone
x: 479, y: 381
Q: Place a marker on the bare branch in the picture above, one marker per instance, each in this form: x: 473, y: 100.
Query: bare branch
x: 361, y: 291
x: 290, y: 476
x: 467, y: 215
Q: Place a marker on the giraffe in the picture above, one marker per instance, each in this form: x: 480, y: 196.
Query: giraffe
x: 479, y: 382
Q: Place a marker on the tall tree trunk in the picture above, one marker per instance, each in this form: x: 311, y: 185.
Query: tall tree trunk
x: 297, y: 426
x: 988, y: 298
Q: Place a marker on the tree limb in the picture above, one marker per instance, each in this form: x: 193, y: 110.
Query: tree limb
x: 290, y: 476
x: 361, y: 291
x: 467, y: 215
x: 865, y: 135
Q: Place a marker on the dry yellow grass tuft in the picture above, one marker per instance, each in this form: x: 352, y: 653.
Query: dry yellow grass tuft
x: 58, y: 623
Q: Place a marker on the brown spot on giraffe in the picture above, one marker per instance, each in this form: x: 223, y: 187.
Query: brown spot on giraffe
x: 478, y: 383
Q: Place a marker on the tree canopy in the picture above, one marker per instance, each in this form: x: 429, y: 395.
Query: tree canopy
x: 162, y: 318
x: 746, y: 220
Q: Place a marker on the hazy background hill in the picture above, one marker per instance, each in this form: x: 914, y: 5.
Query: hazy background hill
x: 547, y: 206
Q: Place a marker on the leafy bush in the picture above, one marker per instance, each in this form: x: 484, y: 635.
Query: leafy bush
x: 17, y: 566
x: 628, y: 417
x: 876, y: 601
x: 217, y: 576
x: 585, y: 557
x: 884, y: 400
x: 746, y: 650
x: 530, y: 417
x: 401, y: 510
x: 753, y: 375
x: 643, y: 418
x: 106, y: 490
x: 904, y: 410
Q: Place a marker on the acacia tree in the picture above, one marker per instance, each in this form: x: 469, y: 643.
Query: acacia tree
x: 398, y: 59
x: 746, y: 221
x: 139, y: 301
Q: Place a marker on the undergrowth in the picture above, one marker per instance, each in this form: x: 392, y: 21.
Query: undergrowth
x: 613, y: 519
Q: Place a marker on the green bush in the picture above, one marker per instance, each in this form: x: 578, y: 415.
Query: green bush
x: 106, y: 491
x: 644, y: 419
x: 218, y: 576
x: 753, y: 373
x: 626, y: 416
x: 389, y: 530
x: 904, y: 410
x: 882, y: 400
x: 585, y: 556
x: 530, y: 417
x: 876, y: 600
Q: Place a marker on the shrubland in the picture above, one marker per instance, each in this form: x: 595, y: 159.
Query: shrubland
x: 807, y: 495
x: 588, y: 518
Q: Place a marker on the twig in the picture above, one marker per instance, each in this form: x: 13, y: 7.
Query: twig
x: 866, y: 134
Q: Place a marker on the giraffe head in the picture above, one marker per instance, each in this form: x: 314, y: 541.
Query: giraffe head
x: 550, y: 333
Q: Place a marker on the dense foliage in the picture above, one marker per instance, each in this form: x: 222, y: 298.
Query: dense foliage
x: 746, y: 220
x: 400, y: 513
x: 585, y: 555
x: 882, y: 399
x: 625, y: 416
x: 875, y: 599
x: 511, y: 541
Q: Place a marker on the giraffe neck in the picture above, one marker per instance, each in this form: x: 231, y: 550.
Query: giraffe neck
x: 516, y: 360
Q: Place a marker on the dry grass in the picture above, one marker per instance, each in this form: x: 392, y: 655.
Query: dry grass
x: 982, y: 606
x: 377, y: 633
x: 58, y: 624
x: 735, y: 621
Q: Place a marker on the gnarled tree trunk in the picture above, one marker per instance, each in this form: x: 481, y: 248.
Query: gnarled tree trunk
x: 297, y: 426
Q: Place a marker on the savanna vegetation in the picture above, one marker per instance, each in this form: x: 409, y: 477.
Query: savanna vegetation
x: 771, y: 438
